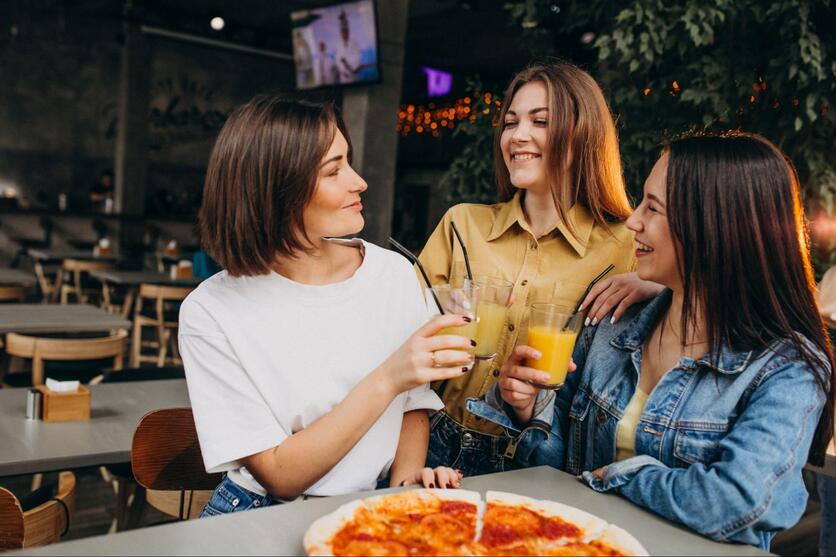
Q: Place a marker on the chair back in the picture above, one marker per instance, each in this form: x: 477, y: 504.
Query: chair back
x: 12, y: 293
x: 83, y: 265
x: 41, y: 349
x: 76, y: 268
x: 165, y: 454
x: 42, y: 525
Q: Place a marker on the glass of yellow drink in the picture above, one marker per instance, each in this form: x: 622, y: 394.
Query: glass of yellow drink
x: 492, y: 313
x: 552, y: 330
x: 461, y: 300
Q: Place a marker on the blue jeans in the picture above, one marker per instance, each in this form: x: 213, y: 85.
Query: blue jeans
x: 471, y: 452
x: 229, y: 497
x: 827, y: 494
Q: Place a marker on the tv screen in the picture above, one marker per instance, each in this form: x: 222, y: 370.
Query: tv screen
x: 335, y: 45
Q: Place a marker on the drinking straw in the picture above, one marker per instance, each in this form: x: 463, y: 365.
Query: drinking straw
x: 409, y: 255
x: 591, y: 284
x: 464, y: 251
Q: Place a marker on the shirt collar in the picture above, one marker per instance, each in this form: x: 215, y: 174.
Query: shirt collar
x: 634, y: 336
x: 511, y: 213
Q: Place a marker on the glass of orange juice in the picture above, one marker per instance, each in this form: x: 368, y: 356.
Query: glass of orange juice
x: 462, y: 300
x: 552, y: 330
x: 492, y: 313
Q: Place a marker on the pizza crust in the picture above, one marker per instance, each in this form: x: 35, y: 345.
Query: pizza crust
x: 623, y: 541
x: 317, y: 540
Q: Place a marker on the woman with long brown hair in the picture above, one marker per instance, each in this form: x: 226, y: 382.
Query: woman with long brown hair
x: 704, y: 404
x: 559, y: 223
x: 307, y: 358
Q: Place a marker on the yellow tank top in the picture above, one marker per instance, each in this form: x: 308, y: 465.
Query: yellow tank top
x: 625, y: 435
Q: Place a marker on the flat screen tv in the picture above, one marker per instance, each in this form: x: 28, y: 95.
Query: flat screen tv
x: 336, y: 45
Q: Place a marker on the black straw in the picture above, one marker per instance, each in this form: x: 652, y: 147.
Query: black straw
x: 464, y: 251
x: 411, y: 256
x: 591, y: 284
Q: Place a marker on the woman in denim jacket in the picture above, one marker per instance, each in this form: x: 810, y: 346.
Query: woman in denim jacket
x: 704, y: 404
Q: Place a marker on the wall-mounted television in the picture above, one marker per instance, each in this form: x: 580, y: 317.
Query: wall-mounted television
x: 336, y: 45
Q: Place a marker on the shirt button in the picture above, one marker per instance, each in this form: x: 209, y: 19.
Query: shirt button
x: 496, y: 373
x: 524, y: 282
x: 235, y: 502
x: 511, y: 327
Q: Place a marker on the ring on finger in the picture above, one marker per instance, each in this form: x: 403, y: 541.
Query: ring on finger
x: 432, y: 359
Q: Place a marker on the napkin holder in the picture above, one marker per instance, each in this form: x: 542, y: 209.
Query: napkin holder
x: 65, y: 407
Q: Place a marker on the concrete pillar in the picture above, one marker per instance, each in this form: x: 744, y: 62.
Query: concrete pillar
x: 371, y: 115
x: 131, y: 158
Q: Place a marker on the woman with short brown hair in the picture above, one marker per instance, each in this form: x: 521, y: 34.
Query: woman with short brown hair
x: 304, y: 367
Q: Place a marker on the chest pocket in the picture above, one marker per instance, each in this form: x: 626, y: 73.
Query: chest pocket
x: 699, y: 445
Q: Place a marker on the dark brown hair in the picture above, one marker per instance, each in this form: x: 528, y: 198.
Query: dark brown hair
x: 734, y: 206
x: 580, y: 123
x: 262, y: 174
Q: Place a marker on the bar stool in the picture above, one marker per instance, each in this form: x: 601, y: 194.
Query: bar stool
x: 78, y: 286
x: 162, y: 318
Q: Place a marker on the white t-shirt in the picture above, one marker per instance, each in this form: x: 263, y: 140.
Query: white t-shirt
x: 265, y: 357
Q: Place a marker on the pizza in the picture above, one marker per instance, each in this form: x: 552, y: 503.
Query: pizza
x: 458, y: 522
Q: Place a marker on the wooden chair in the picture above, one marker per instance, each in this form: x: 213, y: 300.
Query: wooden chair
x: 162, y: 318
x: 166, y: 458
x: 75, y: 270
x: 12, y: 293
x: 41, y: 349
x: 47, y: 277
x: 42, y: 525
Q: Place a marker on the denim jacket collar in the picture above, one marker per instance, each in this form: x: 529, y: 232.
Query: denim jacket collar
x: 637, y: 332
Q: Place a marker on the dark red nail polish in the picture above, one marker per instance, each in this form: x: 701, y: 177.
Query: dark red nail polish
x: 466, y: 318
x: 465, y: 370
x: 472, y: 343
x: 432, y: 485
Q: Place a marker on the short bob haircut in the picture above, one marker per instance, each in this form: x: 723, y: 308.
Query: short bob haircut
x: 262, y: 174
x: 580, y: 123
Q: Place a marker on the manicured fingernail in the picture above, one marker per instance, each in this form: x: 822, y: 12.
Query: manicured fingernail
x: 472, y: 343
x: 580, y: 308
x: 612, y: 319
x: 544, y: 378
x: 432, y: 485
x: 586, y: 322
x: 594, y: 321
x: 465, y: 369
x: 466, y: 318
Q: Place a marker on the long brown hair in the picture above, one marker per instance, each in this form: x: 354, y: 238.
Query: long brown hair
x: 734, y: 206
x: 580, y: 123
x: 262, y: 174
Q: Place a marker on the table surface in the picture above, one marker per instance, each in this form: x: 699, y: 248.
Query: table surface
x: 278, y: 530
x: 135, y: 278
x: 16, y: 276
x: 58, y: 318
x: 31, y: 446
x: 58, y: 255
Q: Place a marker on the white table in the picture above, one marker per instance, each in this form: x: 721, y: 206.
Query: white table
x: 278, y: 530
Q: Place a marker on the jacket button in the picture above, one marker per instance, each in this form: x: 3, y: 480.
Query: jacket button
x: 256, y: 503
x: 467, y: 438
x: 601, y: 418
x: 235, y: 502
x: 511, y: 327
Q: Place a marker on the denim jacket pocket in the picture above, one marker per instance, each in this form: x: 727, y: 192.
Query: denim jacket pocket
x: 699, y: 444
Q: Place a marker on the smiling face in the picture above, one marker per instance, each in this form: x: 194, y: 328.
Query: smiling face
x: 525, y: 138
x: 335, y: 209
x: 655, y: 251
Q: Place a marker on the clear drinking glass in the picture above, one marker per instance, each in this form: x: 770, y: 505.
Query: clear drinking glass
x: 463, y: 301
x: 552, y: 330
x: 492, y: 313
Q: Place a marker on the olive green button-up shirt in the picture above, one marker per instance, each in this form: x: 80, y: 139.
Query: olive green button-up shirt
x: 555, y: 267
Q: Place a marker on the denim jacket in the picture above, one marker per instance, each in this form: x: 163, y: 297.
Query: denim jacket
x: 719, y: 446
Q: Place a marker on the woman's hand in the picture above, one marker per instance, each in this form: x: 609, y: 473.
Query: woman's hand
x: 442, y: 477
x: 619, y: 292
x: 515, y: 381
x: 425, y: 358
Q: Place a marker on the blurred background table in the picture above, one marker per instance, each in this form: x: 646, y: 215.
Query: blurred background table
x: 57, y: 318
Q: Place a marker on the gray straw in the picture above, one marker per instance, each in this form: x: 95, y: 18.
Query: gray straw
x: 464, y: 250
x: 591, y: 284
x: 409, y: 255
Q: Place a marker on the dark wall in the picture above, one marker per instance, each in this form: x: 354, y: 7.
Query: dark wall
x: 59, y: 81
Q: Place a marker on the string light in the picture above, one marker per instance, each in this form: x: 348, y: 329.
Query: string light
x: 436, y: 119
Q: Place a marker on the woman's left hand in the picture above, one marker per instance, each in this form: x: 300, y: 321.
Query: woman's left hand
x: 619, y: 292
x: 442, y: 477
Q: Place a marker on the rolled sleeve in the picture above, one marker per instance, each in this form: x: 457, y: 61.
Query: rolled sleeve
x: 422, y: 398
